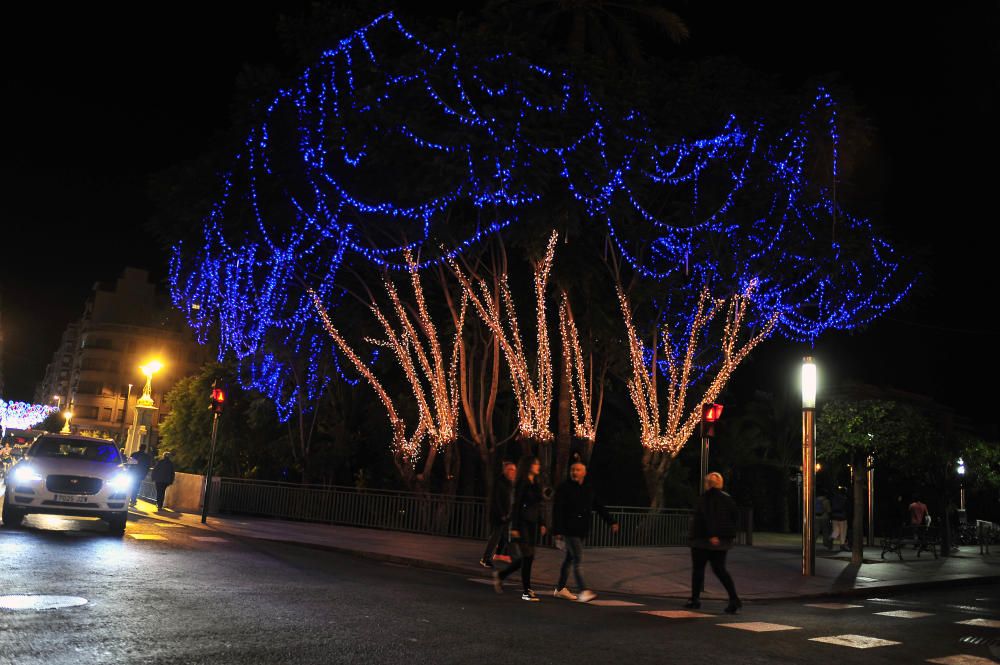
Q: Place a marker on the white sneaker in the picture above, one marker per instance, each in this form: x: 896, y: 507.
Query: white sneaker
x: 564, y: 593
x: 530, y: 597
x: 586, y: 596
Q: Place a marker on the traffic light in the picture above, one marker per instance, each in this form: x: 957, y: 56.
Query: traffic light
x: 218, y: 400
x: 710, y: 414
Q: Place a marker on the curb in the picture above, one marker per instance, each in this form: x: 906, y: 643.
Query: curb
x: 477, y: 571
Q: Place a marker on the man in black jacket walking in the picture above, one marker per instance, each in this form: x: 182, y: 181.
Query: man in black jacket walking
x: 500, y: 506
x: 163, y: 477
x: 571, y: 516
x: 713, y: 529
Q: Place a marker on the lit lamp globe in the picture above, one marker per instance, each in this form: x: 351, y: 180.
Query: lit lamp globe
x: 150, y: 368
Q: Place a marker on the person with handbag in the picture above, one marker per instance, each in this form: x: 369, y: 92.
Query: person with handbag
x: 501, y: 503
x: 527, y: 520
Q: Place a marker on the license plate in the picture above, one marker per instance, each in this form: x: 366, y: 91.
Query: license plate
x: 71, y: 498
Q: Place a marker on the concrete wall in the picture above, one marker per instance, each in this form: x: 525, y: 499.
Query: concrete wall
x: 186, y: 493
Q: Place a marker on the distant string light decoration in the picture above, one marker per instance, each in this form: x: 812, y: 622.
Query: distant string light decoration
x: 579, y: 382
x: 387, y: 137
x: 21, y: 415
x: 532, y: 389
x: 668, y: 432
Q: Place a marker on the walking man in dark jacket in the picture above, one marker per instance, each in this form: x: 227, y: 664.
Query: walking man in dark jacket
x: 140, y: 463
x: 575, y: 504
x: 713, y: 528
x: 501, y: 503
x: 163, y: 477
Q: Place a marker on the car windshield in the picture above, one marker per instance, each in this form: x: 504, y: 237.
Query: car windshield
x: 95, y: 451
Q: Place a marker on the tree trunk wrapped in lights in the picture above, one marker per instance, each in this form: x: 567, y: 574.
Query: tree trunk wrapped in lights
x: 577, y: 389
x: 532, y: 390
x: 663, y: 435
x: 417, y: 349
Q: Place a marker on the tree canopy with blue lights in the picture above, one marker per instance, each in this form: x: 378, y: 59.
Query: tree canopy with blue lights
x: 388, y: 148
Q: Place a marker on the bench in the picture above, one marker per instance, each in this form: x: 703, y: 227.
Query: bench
x: 923, y: 538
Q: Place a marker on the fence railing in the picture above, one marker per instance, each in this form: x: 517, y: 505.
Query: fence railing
x: 460, y: 517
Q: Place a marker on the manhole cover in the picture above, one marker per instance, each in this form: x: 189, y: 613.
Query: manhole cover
x: 31, y: 602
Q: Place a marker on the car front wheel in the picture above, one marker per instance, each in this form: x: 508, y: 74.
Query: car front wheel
x: 12, y: 517
x: 116, y: 524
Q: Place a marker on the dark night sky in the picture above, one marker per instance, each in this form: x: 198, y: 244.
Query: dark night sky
x: 96, y: 98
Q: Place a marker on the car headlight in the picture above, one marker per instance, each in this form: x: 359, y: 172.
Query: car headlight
x: 120, y: 481
x: 25, y: 474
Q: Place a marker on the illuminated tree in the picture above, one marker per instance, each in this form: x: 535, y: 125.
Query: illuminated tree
x: 389, y: 148
x: 21, y: 415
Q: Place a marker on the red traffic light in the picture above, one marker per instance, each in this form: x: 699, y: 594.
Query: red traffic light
x: 711, y: 412
x: 218, y: 395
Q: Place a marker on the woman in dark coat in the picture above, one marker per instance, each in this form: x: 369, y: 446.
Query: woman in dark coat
x: 163, y: 477
x: 713, y: 529
x: 527, y: 519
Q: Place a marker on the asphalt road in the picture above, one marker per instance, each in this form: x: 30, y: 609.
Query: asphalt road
x: 173, y: 595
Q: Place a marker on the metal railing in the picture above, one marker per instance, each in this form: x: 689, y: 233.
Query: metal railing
x: 460, y: 517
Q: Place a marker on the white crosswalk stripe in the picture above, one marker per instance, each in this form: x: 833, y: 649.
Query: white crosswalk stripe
x: 833, y: 606
x: 905, y: 614
x: 614, y: 603
x: 209, y: 539
x: 855, y: 641
x: 759, y: 626
x: 146, y: 536
x: 677, y: 614
x: 962, y: 659
x: 983, y: 623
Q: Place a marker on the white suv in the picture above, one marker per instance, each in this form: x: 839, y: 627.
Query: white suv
x: 64, y: 474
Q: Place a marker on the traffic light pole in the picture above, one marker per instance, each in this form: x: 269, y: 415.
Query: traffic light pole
x: 808, y: 491
x: 208, y: 476
x: 704, y: 461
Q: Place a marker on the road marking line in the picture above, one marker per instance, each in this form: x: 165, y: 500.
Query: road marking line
x: 905, y: 614
x: 962, y: 659
x: 866, y: 579
x: 209, y: 539
x: 614, y: 603
x: 146, y: 536
x: 833, y: 606
x: 759, y: 626
x: 854, y: 641
x: 676, y: 614
x: 985, y: 623
x: 170, y: 525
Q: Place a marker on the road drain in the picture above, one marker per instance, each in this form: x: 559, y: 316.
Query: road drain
x: 33, y: 602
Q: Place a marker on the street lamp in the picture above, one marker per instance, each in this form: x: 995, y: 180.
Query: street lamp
x: 808, y: 464
x: 150, y: 368
x: 961, y: 476
x: 65, y: 428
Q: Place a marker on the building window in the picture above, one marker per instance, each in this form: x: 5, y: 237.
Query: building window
x: 88, y: 412
x: 106, y: 414
x: 88, y: 388
x: 96, y: 343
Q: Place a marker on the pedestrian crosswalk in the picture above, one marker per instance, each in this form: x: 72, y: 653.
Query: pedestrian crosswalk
x: 885, y: 613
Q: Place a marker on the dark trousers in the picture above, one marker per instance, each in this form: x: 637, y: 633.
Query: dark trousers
x: 136, y: 481
x: 161, y: 492
x: 497, y: 541
x: 524, y: 557
x: 717, y: 560
x: 574, y: 558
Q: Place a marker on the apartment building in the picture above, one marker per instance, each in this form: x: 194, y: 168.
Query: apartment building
x: 96, y: 368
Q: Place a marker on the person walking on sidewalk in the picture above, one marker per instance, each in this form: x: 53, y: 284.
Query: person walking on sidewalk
x: 526, y: 520
x: 163, y: 477
x: 839, y: 509
x: 713, y: 528
x: 575, y: 504
x: 821, y: 511
x: 139, y: 465
x: 501, y: 503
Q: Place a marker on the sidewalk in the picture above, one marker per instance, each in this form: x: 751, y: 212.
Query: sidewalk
x: 770, y: 570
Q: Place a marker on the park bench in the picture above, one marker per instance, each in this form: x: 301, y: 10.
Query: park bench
x: 922, y: 538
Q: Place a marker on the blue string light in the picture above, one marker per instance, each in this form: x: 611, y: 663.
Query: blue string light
x: 365, y: 148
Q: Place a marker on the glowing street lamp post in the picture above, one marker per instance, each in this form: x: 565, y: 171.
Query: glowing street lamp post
x: 65, y: 428
x: 961, y: 486
x: 144, y: 408
x: 808, y: 464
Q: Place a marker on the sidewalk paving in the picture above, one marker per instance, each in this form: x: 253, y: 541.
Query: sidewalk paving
x: 770, y: 570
